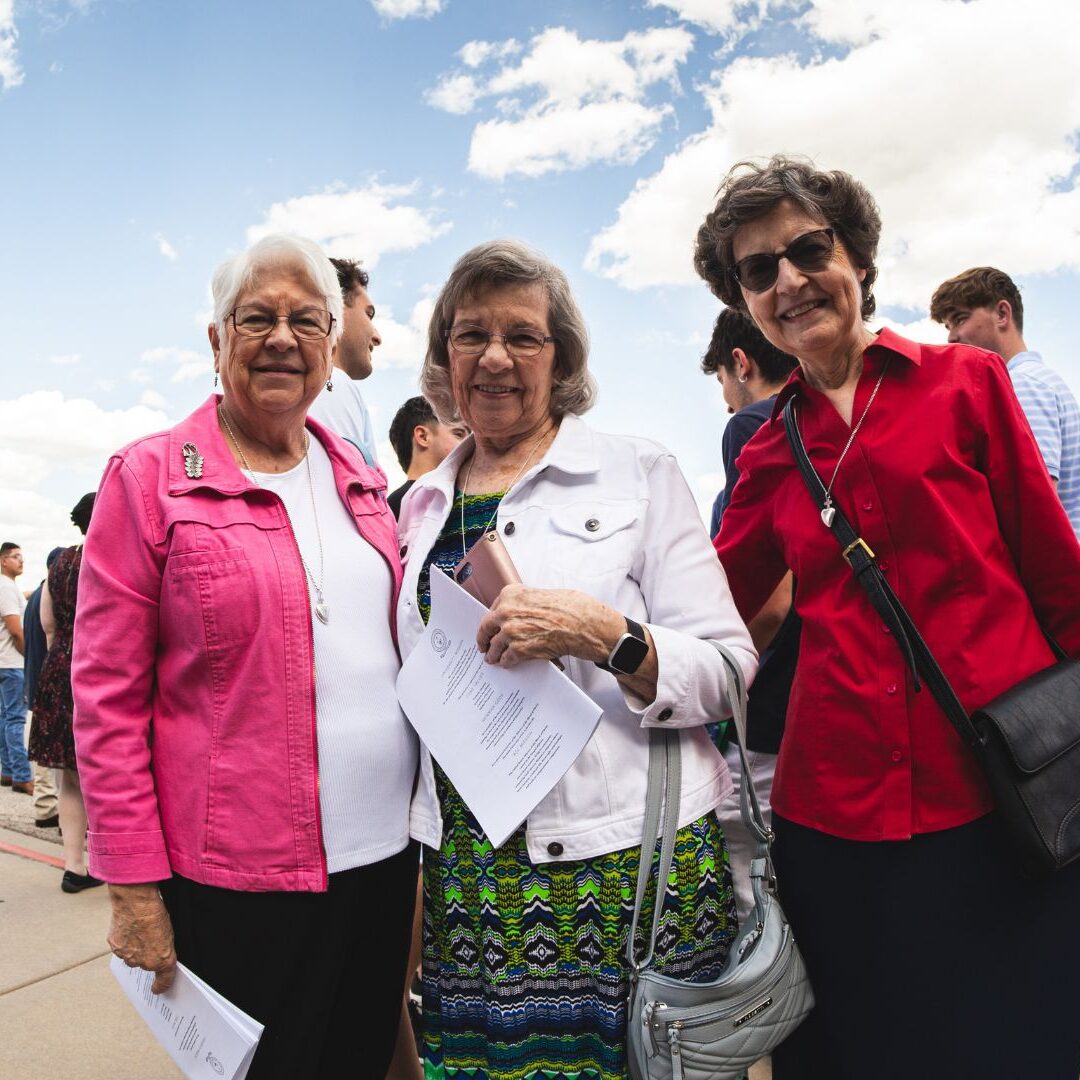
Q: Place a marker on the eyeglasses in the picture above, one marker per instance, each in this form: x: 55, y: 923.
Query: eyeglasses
x: 474, y: 341
x: 810, y: 252
x: 255, y: 322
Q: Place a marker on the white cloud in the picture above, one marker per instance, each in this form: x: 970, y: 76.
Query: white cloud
x: 359, y: 223
x: 166, y: 248
x: 407, y: 9
x: 65, y: 359
x: 186, y: 363
x: 11, y: 75
x: 924, y: 330
x: 613, y: 131
x: 958, y: 185
x: 475, y: 53
x: 403, y: 344
x: 716, y: 16
x: 152, y: 400
x: 567, y: 102
x: 455, y: 94
x: 70, y: 431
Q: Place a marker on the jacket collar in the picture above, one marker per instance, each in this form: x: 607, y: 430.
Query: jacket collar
x: 220, y: 472
x: 573, y: 451
x: 886, y: 341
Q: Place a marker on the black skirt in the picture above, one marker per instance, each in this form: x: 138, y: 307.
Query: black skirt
x: 934, y: 958
x: 324, y: 972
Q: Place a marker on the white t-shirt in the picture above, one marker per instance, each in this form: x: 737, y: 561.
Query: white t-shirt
x: 367, y: 750
x: 343, y: 411
x: 12, y: 602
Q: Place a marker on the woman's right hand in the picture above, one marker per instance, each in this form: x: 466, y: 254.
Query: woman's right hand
x: 141, y: 932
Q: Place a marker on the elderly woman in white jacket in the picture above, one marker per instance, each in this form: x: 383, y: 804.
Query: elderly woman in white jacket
x: 523, y: 944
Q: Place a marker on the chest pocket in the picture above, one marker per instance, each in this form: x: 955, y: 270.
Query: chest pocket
x: 210, y: 581
x: 594, y: 540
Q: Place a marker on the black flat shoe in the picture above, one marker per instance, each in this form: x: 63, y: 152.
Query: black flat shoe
x: 48, y: 822
x: 77, y: 882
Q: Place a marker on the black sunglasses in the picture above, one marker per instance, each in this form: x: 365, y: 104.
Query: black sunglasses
x: 810, y: 252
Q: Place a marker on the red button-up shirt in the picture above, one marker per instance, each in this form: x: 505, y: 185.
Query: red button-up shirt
x: 946, y: 484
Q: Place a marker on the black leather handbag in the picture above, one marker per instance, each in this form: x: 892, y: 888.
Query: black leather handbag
x: 1027, y: 740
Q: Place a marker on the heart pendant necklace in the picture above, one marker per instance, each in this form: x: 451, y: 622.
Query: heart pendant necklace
x: 828, y: 511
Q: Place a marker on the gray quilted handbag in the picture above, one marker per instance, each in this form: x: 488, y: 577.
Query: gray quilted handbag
x: 680, y: 1030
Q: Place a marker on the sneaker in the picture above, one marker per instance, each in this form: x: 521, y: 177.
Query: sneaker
x: 77, y: 882
x: 23, y: 787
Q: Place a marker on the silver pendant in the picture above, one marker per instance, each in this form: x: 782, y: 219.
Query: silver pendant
x: 193, y: 461
x: 322, y: 612
x: 827, y: 515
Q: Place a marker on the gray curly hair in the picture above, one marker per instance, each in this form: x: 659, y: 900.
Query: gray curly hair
x: 496, y: 264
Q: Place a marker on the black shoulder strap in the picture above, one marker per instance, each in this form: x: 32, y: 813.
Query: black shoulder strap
x: 860, y: 558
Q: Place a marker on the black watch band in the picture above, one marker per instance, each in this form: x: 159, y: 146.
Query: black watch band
x: 629, y: 652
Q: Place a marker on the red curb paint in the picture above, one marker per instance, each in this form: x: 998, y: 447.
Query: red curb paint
x: 26, y: 853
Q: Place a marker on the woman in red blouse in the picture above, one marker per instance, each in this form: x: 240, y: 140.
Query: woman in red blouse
x: 931, y: 953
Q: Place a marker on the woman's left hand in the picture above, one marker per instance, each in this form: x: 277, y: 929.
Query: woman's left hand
x: 544, y: 624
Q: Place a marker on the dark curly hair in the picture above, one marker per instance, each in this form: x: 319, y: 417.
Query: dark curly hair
x: 751, y: 190
x: 352, y: 277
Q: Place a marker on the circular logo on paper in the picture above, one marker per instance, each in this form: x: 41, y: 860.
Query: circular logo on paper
x: 215, y: 1064
x: 439, y: 641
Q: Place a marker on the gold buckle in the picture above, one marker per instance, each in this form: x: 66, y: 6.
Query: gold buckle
x: 854, y: 544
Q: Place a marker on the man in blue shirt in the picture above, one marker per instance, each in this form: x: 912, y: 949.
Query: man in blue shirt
x: 751, y: 372
x: 982, y: 307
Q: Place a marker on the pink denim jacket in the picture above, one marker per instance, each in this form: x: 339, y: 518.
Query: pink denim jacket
x: 193, y: 671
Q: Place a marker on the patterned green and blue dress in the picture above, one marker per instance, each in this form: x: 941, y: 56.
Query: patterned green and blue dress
x: 524, y: 976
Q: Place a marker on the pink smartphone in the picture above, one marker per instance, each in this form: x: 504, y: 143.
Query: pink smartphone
x: 486, y: 569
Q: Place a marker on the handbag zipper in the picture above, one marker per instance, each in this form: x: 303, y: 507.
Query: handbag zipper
x: 676, y: 1053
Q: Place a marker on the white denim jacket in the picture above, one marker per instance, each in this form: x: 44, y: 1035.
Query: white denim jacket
x: 613, y: 517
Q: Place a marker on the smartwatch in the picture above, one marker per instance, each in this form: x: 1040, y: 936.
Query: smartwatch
x: 629, y: 652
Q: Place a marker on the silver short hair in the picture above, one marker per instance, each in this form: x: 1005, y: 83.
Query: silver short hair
x: 509, y: 263
x: 241, y: 272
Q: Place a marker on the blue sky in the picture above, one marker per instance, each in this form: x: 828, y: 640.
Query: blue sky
x: 143, y: 141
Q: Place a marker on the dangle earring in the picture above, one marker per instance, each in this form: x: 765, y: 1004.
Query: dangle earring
x: 215, y: 380
x: 330, y: 384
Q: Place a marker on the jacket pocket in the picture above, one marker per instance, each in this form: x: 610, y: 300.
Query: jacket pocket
x: 224, y: 583
x: 594, y: 540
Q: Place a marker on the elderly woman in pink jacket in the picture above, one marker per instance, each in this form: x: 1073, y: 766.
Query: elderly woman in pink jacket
x: 246, y: 768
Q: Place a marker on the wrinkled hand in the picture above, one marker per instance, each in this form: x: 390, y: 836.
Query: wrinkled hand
x: 141, y: 932
x: 544, y: 624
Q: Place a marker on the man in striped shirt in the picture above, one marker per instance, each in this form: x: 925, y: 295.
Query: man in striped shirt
x: 982, y: 307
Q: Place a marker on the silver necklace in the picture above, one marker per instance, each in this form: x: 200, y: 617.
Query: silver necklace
x: 828, y: 511
x: 495, y: 513
x: 322, y: 611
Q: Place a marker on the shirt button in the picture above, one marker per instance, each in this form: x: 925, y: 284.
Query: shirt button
x: 555, y: 848
x: 883, y: 565
x: 897, y: 757
x: 509, y: 528
x: 868, y: 505
x: 663, y: 714
x: 403, y: 551
x: 891, y: 688
x: 885, y: 629
x: 592, y: 524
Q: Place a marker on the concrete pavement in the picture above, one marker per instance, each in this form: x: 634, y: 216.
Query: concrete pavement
x: 61, y: 1011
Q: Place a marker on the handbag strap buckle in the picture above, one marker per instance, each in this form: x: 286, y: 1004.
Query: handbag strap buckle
x: 859, y: 542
